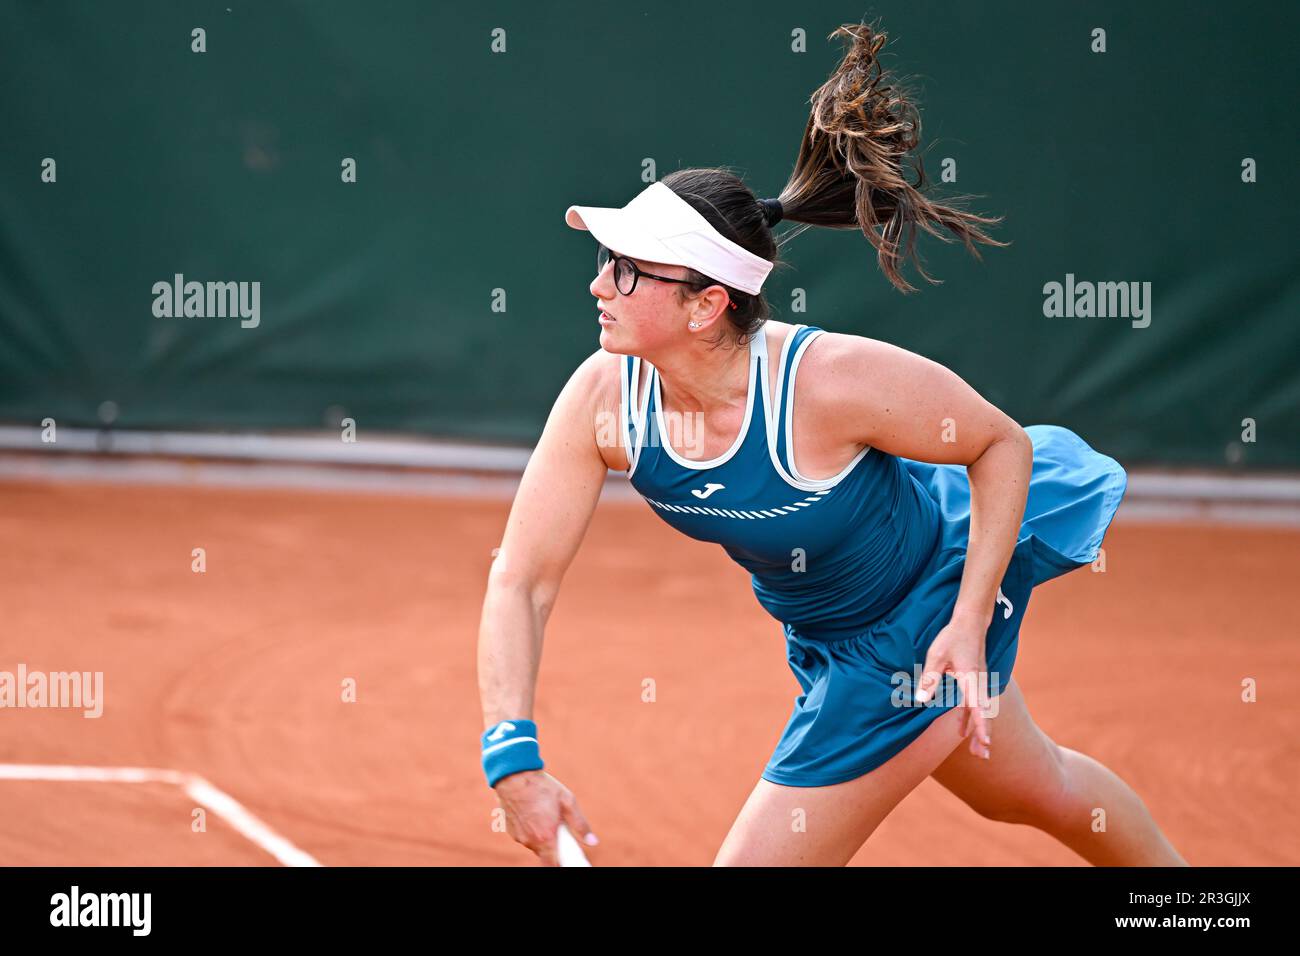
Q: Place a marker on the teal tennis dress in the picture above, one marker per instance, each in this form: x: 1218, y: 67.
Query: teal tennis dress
x: 862, y: 569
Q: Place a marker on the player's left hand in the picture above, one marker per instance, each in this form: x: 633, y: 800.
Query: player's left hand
x: 958, y: 650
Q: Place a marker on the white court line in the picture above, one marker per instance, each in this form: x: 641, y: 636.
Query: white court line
x: 406, y: 451
x: 272, y: 475
x: 1152, y: 497
x: 196, y: 788
x: 1273, y: 505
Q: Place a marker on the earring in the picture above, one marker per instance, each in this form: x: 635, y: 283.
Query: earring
x: 695, y: 325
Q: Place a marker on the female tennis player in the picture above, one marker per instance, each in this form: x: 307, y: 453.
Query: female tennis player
x: 893, y: 520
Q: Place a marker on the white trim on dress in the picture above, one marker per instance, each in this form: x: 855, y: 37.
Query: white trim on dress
x: 757, y: 348
x: 793, y: 477
x: 638, y: 422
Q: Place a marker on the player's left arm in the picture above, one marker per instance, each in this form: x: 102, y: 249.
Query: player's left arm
x: 907, y: 405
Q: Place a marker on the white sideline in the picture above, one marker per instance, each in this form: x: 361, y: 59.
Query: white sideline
x: 196, y: 788
x: 1142, y: 505
x: 127, y: 469
x: 411, y: 465
x: 369, y: 449
x: 405, y: 452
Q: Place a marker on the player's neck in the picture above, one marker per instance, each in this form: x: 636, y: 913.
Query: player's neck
x: 701, y: 378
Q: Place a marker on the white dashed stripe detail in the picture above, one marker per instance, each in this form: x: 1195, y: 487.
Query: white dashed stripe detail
x: 725, y: 513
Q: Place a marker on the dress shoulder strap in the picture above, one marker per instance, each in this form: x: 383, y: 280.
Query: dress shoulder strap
x: 791, y: 352
x: 632, y: 409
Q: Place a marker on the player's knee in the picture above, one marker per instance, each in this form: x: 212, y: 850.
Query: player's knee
x: 1041, y: 803
x: 1047, y: 801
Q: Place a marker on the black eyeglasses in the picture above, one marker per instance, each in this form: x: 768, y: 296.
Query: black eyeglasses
x: 627, y: 272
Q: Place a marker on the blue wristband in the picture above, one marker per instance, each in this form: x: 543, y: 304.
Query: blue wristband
x: 510, y: 746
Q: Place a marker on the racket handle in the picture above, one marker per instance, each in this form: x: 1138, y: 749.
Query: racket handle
x: 568, y: 850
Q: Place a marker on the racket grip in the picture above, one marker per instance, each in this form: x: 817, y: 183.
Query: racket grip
x: 568, y: 850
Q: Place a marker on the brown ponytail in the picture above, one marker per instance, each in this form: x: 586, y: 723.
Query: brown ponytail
x: 849, y: 173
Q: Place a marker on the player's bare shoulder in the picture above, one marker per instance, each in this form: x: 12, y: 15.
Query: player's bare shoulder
x: 840, y: 371
x: 854, y: 382
x: 598, y: 378
x: 834, y: 361
x: 839, y: 360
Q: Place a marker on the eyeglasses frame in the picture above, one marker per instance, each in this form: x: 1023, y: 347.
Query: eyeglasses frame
x: 638, y: 272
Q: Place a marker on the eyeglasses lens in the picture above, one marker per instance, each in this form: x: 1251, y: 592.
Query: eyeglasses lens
x: 624, y: 274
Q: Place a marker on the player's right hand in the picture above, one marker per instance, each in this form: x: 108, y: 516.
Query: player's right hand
x: 536, y: 804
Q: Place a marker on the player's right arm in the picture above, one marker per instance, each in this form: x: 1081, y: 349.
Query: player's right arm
x: 552, y: 509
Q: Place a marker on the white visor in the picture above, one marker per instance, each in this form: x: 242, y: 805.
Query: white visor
x: 660, y: 226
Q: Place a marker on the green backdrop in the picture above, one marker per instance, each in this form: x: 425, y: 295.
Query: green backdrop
x: 377, y: 296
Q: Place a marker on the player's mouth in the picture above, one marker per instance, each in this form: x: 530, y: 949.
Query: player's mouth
x: 605, y: 318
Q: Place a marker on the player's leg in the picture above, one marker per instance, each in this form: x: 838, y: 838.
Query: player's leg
x: 825, y: 826
x: 1032, y: 780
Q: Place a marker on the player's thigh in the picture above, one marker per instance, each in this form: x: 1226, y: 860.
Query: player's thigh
x: 1022, y: 779
x: 825, y: 826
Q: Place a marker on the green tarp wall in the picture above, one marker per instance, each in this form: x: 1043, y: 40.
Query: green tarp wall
x: 376, y: 296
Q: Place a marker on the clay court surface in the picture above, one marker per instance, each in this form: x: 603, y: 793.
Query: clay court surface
x: 236, y: 675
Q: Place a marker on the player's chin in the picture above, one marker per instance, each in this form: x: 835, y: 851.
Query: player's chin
x: 610, y: 340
